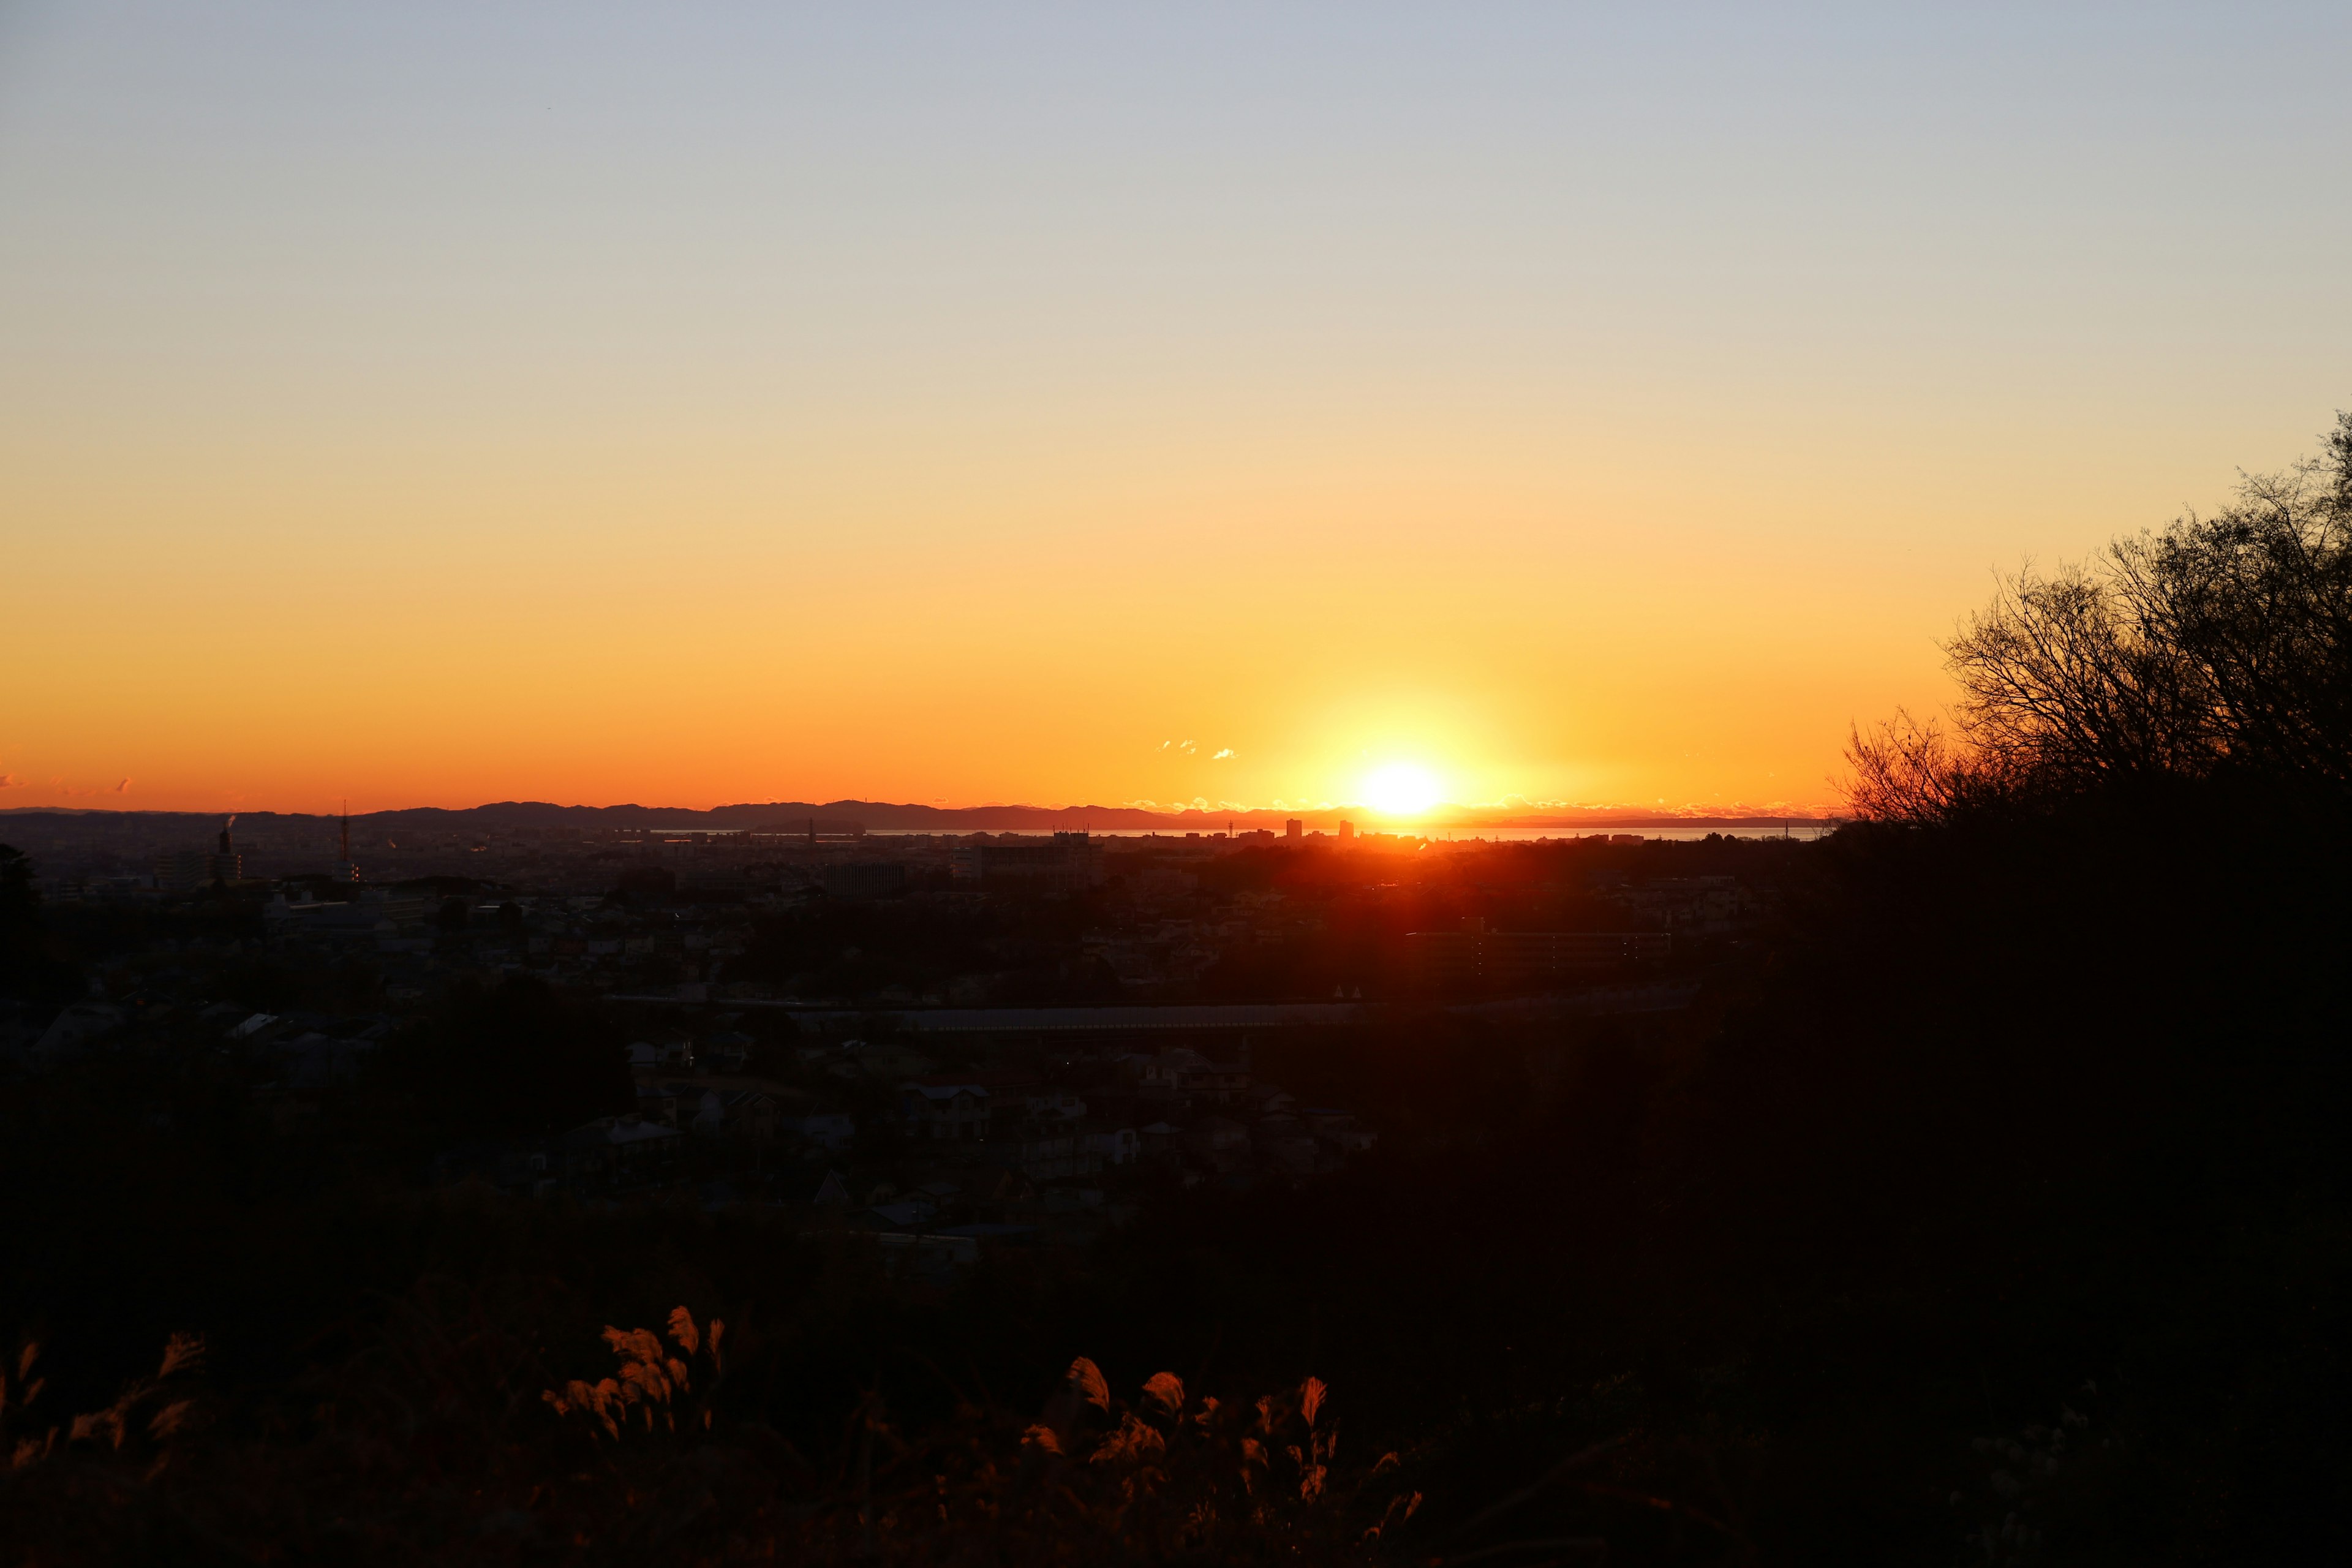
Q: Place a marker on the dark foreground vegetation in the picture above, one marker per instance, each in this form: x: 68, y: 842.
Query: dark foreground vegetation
x: 1995, y: 1210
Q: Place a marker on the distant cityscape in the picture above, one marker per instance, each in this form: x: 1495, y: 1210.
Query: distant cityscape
x: 942, y: 1038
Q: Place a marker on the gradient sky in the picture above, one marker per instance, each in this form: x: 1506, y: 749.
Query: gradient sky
x: 434, y: 402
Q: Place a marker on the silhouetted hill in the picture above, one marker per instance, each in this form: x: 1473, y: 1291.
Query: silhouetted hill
x: 846, y: 815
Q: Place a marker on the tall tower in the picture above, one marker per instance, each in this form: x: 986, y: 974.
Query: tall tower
x: 224, y: 866
x: 344, y: 870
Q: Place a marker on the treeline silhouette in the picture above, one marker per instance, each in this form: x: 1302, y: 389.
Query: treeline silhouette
x: 1992, y: 1208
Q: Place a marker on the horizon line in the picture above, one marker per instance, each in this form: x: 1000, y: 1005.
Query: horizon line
x: 1435, y: 815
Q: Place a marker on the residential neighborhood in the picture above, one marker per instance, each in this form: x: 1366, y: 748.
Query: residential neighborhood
x: 991, y: 1039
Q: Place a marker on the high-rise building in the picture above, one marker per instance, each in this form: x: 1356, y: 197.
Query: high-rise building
x: 344, y: 870
x: 186, y: 870
x: 181, y: 871
x: 1347, y: 831
x: 1293, y: 830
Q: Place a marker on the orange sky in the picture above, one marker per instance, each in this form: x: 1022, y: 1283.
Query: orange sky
x: 597, y: 410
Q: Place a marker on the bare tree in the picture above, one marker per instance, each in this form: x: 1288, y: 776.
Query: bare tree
x: 2059, y: 679
x: 1909, y: 770
x: 2222, y: 645
x: 2256, y: 604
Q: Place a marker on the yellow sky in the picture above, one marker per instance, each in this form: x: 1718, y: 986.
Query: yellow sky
x: 597, y: 411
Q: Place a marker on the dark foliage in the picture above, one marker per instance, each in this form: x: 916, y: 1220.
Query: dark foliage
x: 2217, y: 651
x: 514, y: 1058
x: 34, y: 964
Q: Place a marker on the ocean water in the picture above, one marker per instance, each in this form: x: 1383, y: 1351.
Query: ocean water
x: 1794, y: 828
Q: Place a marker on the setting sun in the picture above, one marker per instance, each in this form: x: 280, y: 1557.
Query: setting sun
x: 1400, y: 789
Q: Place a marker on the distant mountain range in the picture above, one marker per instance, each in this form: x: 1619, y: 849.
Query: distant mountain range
x: 847, y: 816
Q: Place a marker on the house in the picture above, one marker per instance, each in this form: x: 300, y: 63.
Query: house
x: 658, y: 1102
x: 1187, y: 1074
x: 942, y: 1107
x: 911, y: 1209
x: 1113, y: 1146
x: 621, y: 1151
x: 1282, y: 1144
x: 830, y: 1130
x: 1222, y: 1143
x: 727, y: 1050
x: 1012, y: 1187
x: 1269, y: 1099
x: 78, y: 1025
x: 931, y: 1257
x: 1161, y: 1076
x: 732, y: 1112
x: 1215, y: 1083
x: 1012, y: 1090
x: 670, y: 1051
x: 1050, y: 1156
x: 1338, y: 1128
x: 1046, y: 1104
x: 886, y: 1058
x: 312, y: 1060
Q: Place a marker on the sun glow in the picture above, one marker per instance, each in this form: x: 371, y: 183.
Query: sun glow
x: 1400, y: 789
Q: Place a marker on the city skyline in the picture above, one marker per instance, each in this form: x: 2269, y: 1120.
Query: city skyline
x: 851, y: 815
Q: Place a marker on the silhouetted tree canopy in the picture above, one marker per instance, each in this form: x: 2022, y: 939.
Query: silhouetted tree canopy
x: 20, y: 916
x: 20, y: 902
x: 2219, y: 650
x: 515, y: 1057
x: 33, y: 963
